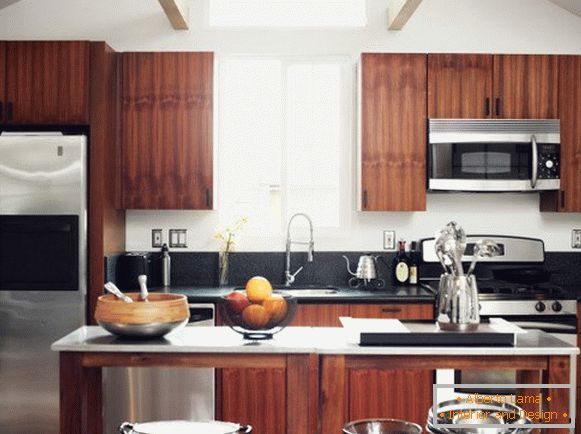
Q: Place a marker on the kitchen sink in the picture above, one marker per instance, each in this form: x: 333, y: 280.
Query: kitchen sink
x: 309, y: 292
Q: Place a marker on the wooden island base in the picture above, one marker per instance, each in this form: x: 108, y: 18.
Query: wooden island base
x: 317, y: 395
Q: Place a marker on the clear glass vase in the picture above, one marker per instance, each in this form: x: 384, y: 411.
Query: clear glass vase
x: 223, y: 268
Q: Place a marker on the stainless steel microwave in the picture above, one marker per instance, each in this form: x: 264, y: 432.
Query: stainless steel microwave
x: 494, y: 155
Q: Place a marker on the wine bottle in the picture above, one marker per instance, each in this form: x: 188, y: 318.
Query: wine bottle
x: 401, y: 268
x: 413, y: 264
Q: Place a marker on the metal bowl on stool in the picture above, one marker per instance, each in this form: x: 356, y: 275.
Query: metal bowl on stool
x: 184, y: 427
x: 381, y: 426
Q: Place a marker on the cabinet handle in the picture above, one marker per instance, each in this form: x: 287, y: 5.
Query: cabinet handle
x: 208, y: 198
x: 497, y: 106
x: 391, y: 310
x: 562, y: 194
x: 9, y: 111
x: 365, y: 198
x: 487, y: 106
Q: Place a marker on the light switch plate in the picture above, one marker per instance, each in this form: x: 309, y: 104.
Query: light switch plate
x: 156, y: 238
x: 178, y: 238
x: 388, y: 240
x: 576, y: 239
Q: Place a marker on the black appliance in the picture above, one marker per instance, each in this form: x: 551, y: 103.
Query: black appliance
x: 129, y: 266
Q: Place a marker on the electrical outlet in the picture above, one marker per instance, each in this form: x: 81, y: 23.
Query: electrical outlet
x: 576, y: 238
x: 178, y: 238
x: 156, y: 238
x: 388, y: 240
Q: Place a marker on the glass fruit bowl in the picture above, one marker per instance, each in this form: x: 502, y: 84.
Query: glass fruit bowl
x: 258, y: 320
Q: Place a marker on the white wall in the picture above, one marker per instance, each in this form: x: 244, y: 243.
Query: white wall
x: 507, y: 26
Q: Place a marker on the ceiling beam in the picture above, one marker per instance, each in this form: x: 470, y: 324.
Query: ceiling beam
x: 573, y: 6
x: 177, y: 12
x: 399, y: 12
x: 6, y: 3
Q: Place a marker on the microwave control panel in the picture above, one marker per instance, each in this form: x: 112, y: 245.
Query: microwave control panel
x: 549, y: 161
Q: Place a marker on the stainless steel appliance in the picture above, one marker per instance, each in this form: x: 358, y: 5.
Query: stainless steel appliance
x: 514, y: 286
x: 43, y: 249
x: 155, y: 394
x: 494, y: 155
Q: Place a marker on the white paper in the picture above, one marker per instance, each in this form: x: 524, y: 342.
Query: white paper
x: 503, y: 326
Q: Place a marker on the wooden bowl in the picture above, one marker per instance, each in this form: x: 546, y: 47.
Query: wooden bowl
x: 161, y: 314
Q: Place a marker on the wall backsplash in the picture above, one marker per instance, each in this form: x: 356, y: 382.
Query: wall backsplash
x: 506, y: 214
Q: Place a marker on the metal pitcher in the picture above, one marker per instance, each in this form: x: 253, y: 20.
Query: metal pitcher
x: 458, y: 303
x: 366, y: 267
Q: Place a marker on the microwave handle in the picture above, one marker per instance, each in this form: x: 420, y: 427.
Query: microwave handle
x: 535, y: 163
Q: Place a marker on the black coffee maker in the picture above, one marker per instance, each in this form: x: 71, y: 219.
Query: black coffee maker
x: 129, y: 266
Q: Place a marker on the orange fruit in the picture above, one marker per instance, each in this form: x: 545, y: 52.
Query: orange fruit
x: 276, y: 307
x: 258, y: 289
x: 255, y: 316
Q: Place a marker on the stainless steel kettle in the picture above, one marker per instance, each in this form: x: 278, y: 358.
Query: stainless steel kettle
x: 366, y: 272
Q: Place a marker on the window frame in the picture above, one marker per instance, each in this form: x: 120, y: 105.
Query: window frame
x: 348, y: 146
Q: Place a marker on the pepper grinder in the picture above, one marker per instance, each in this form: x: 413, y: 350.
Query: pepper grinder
x: 165, y: 266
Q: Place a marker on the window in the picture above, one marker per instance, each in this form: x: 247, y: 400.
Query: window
x: 284, y: 135
x: 288, y: 13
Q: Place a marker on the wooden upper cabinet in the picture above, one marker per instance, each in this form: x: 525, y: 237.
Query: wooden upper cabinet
x: 476, y: 86
x: 2, y: 80
x: 459, y: 86
x: 568, y: 199
x: 393, y: 141
x: 46, y: 82
x: 167, y: 102
x: 525, y: 86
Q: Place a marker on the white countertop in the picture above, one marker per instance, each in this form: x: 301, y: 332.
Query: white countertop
x: 292, y: 340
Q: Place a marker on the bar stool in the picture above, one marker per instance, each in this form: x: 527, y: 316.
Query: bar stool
x: 381, y: 426
x: 183, y: 427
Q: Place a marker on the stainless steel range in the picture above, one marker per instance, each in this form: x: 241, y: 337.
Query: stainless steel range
x: 514, y: 286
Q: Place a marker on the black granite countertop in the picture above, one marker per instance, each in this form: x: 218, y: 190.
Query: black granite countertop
x: 391, y: 294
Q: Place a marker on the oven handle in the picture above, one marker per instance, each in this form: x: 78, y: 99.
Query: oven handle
x: 535, y: 168
x: 546, y: 326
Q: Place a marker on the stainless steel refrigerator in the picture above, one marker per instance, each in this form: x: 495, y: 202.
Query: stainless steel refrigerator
x: 43, y: 250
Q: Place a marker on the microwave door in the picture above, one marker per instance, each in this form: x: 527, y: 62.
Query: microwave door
x: 480, y: 166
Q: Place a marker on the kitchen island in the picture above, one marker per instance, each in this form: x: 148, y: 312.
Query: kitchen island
x: 317, y: 362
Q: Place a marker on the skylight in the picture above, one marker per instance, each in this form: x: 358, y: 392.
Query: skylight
x: 287, y: 13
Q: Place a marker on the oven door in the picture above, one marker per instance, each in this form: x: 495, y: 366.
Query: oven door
x: 563, y: 327
x: 39, y: 253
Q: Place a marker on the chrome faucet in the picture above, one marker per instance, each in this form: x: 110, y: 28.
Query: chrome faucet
x: 289, y: 277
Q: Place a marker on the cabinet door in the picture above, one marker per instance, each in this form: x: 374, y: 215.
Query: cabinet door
x: 393, y: 142
x: 400, y: 394
x: 320, y: 315
x: 167, y: 105
x: 459, y: 86
x: 397, y: 311
x: 570, y: 115
x: 2, y: 80
x: 255, y: 397
x: 525, y: 86
x: 47, y: 83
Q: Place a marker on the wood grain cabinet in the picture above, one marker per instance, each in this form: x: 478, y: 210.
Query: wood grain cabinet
x: 167, y: 103
x: 400, y: 394
x: 44, y: 83
x: 475, y: 86
x: 393, y: 132
x: 257, y: 396
x: 568, y: 199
